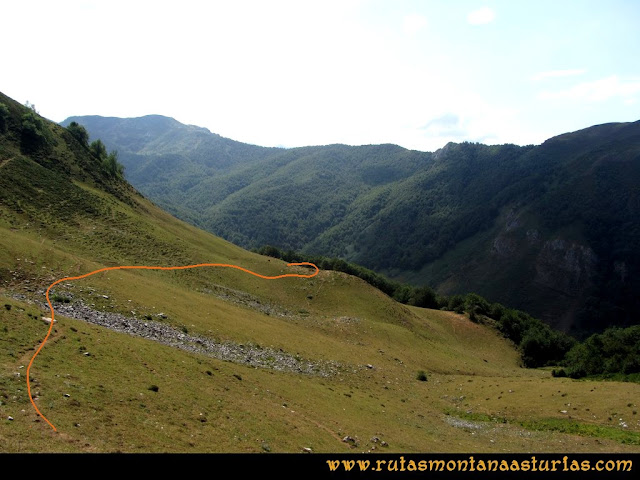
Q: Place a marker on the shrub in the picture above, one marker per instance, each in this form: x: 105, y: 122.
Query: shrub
x: 154, y: 388
x: 422, y: 376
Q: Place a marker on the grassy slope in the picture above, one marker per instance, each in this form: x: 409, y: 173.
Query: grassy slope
x: 50, y: 235
x: 419, y: 217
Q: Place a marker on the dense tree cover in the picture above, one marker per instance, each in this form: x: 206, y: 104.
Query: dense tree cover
x: 615, y: 351
x: 426, y: 218
x: 539, y: 344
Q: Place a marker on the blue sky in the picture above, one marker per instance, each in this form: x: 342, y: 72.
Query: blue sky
x: 292, y: 73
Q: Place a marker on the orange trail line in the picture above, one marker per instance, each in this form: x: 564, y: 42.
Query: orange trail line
x: 144, y: 267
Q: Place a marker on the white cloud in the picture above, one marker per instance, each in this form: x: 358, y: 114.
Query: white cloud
x: 413, y: 23
x: 481, y: 16
x: 596, y: 91
x: 558, y: 73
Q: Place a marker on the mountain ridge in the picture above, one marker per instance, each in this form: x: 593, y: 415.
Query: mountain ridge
x: 413, y: 378
x: 406, y: 213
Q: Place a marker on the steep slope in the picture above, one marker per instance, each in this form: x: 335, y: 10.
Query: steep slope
x: 164, y: 158
x: 549, y: 229
x: 61, y: 215
x: 562, y: 244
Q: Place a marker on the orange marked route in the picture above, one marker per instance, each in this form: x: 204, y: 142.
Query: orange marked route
x: 144, y: 267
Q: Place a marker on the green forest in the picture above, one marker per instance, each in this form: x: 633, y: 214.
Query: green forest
x: 612, y: 354
x: 548, y: 229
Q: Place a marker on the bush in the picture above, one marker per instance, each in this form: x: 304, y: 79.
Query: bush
x: 61, y: 299
x: 422, y: 376
x: 154, y: 388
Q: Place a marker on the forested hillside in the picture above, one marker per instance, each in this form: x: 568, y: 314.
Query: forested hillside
x: 216, y: 360
x: 551, y: 229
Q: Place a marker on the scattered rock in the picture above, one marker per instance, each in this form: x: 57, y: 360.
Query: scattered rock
x: 374, y: 440
x: 10, y: 418
x: 66, y: 395
x: 369, y: 366
x: 307, y: 450
x: 87, y: 354
x: 384, y: 444
x: 350, y: 440
x: 247, y: 354
x: 48, y: 320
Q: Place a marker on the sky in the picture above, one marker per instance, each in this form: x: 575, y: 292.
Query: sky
x: 292, y: 73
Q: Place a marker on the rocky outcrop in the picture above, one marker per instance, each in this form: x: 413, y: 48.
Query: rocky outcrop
x: 565, y: 266
x: 503, y: 246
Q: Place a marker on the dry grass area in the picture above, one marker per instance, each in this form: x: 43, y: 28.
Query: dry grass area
x: 134, y: 395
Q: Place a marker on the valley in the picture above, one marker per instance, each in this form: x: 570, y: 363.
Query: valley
x: 366, y: 373
x: 546, y: 229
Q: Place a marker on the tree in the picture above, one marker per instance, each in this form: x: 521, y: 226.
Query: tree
x: 111, y: 164
x: 424, y: 297
x: 456, y: 303
x: 98, y: 149
x: 79, y: 132
x: 109, y: 161
x: 30, y: 106
x: 474, y: 303
x: 33, y: 131
x: 402, y: 294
